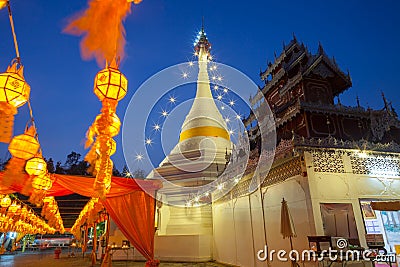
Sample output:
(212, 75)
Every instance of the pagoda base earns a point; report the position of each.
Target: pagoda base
(183, 248)
(184, 234)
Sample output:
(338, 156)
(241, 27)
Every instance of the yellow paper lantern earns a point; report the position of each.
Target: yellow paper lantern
(42, 182)
(14, 90)
(5, 201)
(108, 124)
(24, 146)
(12, 209)
(110, 83)
(36, 166)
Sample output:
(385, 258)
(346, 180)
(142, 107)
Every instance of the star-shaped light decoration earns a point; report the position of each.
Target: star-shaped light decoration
(216, 87)
(227, 119)
(172, 99)
(238, 116)
(164, 113)
(219, 97)
(191, 64)
(149, 141)
(231, 103)
(226, 90)
(185, 75)
(139, 157)
(231, 132)
(156, 127)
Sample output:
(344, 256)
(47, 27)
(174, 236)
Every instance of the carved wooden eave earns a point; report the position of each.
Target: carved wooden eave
(280, 59)
(275, 80)
(338, 109)
(291, 113)
(296, 60)
(279, 172)
(273, 66)
(301, 143)
(343, 79)
(291, 83)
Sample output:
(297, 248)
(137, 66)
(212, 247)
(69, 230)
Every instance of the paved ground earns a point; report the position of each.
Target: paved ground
(44, 259)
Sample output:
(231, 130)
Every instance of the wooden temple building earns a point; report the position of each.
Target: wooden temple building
(337, 166)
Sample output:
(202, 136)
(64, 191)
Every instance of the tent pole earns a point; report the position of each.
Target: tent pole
(94, 248)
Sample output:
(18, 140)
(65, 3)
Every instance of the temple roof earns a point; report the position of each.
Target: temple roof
(296, 58)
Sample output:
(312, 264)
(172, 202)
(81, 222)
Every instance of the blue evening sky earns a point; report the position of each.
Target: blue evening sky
(363, 36)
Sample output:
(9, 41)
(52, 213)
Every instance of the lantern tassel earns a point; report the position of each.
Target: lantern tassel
(14, 172)
(7, 113)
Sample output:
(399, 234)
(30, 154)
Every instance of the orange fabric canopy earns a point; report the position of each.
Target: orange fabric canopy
(128, 203)
(82, 185)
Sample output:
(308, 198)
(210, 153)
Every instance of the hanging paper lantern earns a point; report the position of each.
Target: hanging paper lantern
(24, 146)
(108, 124)
(5, 201)
(12, 209)
(36, 166)
(110, 83)
(110, 86)
(43, 182)
(14, 92)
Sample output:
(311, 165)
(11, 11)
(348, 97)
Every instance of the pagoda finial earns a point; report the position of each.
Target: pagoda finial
(275, 55)
(284, 45)
(201, 40)
(348, 74)
(358, 101)
(294, 37)
(320, 48)
(385, 101)
(334, 60)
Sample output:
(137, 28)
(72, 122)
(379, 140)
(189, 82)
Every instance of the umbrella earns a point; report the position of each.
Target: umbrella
(287, 226)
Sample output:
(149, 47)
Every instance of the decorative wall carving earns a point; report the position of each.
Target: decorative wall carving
(381, 122)
(277, 174)
(328, 161)
(331, 142)
(283, 171)
(375, 165)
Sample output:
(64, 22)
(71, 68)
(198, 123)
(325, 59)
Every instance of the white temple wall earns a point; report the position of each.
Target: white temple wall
(339, 178)
(238, 224)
